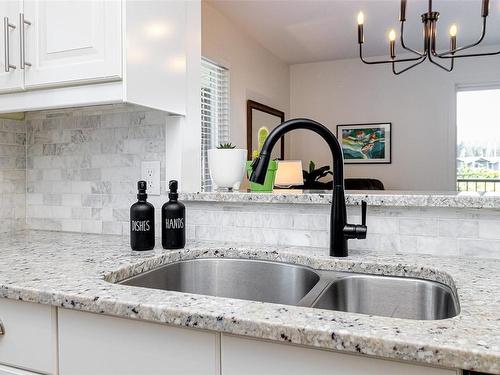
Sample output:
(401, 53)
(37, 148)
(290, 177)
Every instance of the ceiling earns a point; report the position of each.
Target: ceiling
(300, 31)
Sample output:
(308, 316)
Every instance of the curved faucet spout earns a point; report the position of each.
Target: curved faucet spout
(340, 231)
(258, 174)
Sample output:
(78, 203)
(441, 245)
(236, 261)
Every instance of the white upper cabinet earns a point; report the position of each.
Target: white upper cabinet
(72, 41)
(11, 76)
(156, 52)
(73, 53)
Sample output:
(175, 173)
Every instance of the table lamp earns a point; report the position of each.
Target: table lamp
(289, 174)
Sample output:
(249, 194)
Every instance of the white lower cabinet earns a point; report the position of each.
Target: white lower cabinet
(44, 340)
(102, 345)
(241, 356)
(30, 337)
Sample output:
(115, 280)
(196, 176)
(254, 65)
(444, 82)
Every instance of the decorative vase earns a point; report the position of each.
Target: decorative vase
(268, 185)
(227, 167)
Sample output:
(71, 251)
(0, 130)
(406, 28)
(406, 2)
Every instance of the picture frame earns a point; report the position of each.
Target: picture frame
(369, 143)
(258, 115)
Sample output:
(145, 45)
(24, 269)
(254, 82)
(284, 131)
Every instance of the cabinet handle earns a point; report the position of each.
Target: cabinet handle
(23, 22)
(2, 329)
(6, 29)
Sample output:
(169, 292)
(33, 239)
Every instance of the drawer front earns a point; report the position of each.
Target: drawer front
(30, 336)
(241, 356)
(104, 345)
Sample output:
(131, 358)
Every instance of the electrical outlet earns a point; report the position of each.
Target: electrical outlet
(150, 172)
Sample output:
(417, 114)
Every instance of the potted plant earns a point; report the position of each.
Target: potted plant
(313, 176)
(271, 169)
(227, 166)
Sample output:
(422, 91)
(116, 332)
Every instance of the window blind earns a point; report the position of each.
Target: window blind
(214, 113)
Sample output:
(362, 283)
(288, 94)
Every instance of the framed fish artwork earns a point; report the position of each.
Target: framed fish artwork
(366, 143)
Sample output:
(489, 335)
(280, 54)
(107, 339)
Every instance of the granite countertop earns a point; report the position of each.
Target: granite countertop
(77, 271)
(388, 198)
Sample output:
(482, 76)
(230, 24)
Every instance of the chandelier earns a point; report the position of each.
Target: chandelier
(445, 60)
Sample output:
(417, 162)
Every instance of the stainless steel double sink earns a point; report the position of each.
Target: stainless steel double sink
(290, 284)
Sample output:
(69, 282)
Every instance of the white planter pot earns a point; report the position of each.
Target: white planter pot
(227, 167)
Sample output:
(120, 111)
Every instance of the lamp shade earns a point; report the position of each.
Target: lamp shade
(289, 173)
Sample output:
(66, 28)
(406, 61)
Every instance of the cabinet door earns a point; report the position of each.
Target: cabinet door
(253, 357)
(72, 42)
(30, 336)
(98, 344)
(11, 80)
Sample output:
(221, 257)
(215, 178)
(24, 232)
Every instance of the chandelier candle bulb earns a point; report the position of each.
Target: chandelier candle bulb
(361, 20)
(453, 30)
(453, 37)
(392, 43)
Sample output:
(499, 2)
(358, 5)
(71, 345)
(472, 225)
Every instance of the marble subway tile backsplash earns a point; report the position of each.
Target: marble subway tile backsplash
(12, 175)
(425, 230)
(83, 166)
(76, 170)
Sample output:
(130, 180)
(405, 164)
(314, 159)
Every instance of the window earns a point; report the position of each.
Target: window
(214, 113)
(478, 140)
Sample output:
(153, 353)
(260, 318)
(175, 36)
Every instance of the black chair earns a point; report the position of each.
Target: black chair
(363, 184)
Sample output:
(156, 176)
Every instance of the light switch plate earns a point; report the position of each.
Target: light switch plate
(150, 172)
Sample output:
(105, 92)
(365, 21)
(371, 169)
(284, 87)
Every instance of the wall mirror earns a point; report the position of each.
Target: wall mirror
(260, 115)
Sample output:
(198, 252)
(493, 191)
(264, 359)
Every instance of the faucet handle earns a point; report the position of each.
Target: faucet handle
(363, 213)
(357, 231)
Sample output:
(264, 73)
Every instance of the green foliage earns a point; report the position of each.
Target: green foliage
(226, 146)
(481, 173)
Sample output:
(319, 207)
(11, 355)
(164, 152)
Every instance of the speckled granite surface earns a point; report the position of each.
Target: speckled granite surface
(73, 270)
(386, 198)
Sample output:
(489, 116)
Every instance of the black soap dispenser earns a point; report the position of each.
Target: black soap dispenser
(173, 220)
(142, 221)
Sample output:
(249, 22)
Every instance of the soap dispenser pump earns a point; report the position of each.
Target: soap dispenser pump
(173, 220)
(142, 221)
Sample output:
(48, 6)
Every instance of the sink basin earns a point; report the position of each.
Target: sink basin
(289, 284)
(253, 280)
(396, 297)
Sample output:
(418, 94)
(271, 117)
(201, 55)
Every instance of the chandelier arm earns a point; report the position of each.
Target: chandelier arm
(384, 61)
(442, 66)
(405, 46)
(471, 55)
(422, 59)
(450, 52)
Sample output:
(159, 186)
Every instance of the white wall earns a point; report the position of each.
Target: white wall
(255, 73)
(420, 104)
